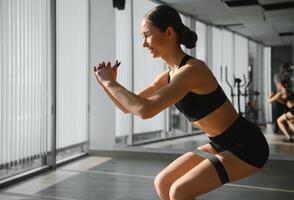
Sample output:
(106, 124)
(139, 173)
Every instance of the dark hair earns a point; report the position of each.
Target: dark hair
(165, 16)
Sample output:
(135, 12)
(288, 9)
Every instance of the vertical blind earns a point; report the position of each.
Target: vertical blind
(72, 17)
(25, 60)
(26, 77)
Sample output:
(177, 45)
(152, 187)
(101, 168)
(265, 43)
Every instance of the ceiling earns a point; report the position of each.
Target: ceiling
(270, 22)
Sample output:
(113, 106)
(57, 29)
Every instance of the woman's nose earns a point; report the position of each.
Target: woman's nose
(144, 43)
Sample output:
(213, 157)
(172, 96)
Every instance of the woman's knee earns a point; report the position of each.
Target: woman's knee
(162, 184)
(280, 120)
(158, 181)
(179, 192)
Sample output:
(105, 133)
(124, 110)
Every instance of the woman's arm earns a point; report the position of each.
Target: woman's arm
(147, 107)
(117, 103)
(275, 97)
(158, 82)
(158, 101)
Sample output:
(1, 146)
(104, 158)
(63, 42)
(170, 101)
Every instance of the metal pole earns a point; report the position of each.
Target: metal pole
(131, 134)
(52, 158)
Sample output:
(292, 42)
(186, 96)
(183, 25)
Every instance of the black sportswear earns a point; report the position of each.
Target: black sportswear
(196, 106)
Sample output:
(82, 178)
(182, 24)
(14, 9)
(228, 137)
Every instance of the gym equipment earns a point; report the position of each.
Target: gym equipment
(251, 110)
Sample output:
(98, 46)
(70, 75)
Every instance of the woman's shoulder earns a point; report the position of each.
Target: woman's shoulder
(199, 67)
(193, 63)
(196, 62)
(199, 75)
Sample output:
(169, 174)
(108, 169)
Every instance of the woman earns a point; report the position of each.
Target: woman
(238, 147)
(286, 97)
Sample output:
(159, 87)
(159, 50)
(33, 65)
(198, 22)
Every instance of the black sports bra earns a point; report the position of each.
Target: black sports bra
(196, 106)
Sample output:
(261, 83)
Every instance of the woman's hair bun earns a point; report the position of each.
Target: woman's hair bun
(188, 37)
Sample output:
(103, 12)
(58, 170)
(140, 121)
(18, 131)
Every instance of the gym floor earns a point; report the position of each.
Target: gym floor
(129, 176)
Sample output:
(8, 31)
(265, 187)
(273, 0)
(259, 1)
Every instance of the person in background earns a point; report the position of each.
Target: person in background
(286, 97)
(278, 107)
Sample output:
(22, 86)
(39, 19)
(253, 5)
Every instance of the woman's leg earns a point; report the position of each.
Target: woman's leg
(174, 171)
(282, 120)
(290, 120)
(178, 168)
(204, 177)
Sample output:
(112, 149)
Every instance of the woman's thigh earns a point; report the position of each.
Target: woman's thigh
(289, 116)
(187, 161)
(283, 118)
(204, 177)
(179, 167)
(231, 162)
(235, 167)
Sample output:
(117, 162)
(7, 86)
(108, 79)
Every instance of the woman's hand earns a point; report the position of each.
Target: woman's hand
(115, 67)
(105, 72)
(269, 98)
(271, 95)
(276, 97)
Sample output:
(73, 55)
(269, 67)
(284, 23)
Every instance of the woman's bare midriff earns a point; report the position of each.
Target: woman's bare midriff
(218, 121)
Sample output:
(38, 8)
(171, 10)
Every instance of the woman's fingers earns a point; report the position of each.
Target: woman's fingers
(103, 64)
(116, 65)
(104, 71)
(96, 74)
(100, 66)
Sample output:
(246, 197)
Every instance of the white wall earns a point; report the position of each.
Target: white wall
(145, 68)
(216, 52)
(124, 53)
(102, 48)
(201, 45)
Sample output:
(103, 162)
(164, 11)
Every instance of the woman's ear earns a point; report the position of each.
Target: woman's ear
(170, 32)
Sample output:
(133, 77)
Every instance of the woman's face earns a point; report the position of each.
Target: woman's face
(153, 39)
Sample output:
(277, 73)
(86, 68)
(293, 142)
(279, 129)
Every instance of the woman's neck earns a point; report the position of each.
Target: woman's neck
(174, 58)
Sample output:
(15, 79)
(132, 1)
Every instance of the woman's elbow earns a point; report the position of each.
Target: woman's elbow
(146, 113)
(125, 111)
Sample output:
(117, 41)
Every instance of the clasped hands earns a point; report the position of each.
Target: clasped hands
(106, 72)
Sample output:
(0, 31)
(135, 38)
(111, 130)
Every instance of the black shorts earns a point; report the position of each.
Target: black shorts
(245, 140)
